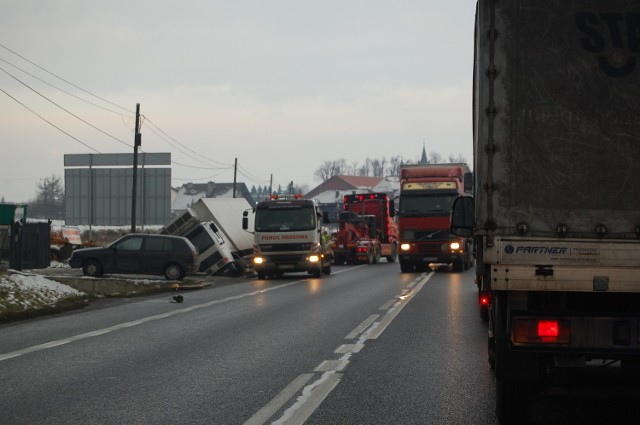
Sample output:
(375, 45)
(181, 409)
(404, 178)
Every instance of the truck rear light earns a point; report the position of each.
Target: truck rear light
(484, 299)
(541, 331)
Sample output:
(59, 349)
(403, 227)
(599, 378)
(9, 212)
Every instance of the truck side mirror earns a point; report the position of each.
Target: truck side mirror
(245, 220)
(468, 182)
(325, 217)
(392, 208)
(462, 217)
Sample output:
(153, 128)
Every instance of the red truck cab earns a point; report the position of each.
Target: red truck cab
(427, 192)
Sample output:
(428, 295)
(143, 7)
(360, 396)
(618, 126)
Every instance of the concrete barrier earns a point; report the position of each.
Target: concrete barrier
(115, 286)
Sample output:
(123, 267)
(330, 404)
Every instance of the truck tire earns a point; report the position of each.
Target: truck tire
(317, 273)
(458, 265)
(394, 254)
(513, 402)
(327, 269)
(513, 394)
(376, 254)
(370, 255)
(406, 267)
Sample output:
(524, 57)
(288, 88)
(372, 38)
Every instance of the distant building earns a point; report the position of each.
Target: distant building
(189, 193)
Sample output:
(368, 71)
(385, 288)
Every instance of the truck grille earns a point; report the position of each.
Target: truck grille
(288, 259)
(284, 247)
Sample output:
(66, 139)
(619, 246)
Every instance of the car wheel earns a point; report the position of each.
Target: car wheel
(174, 272)
(92, 268)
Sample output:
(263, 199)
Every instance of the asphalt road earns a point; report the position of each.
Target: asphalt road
(366, 345)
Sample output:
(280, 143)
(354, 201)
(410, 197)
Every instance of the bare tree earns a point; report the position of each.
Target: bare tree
(435, 158)
(49, 202)
(330, 169)
(365, 168)
(393, 170)
(457, 159)
(378, 166)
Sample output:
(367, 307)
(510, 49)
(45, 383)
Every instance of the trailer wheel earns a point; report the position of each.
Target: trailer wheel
(370, 255)
(261, 276)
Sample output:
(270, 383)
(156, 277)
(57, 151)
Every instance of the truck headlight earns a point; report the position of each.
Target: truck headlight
(314, 258)
(455, 245)
(405, 247)
(258, 260)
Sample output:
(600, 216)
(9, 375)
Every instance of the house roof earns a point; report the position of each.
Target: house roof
(345, 183)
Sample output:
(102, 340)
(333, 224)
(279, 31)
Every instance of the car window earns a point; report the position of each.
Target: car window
(130, 244)
(155, 244)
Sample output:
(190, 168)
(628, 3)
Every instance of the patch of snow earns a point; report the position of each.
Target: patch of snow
(25, 291)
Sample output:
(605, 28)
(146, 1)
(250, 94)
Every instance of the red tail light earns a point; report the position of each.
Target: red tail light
(548, 329)
(541, 331)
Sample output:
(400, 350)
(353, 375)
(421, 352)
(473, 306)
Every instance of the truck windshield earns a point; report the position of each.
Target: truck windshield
(426, 205)
(285, 219)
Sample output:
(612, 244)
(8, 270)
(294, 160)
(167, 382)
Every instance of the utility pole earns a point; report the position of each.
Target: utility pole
(271, 186)
(235, 173)
(136, 144)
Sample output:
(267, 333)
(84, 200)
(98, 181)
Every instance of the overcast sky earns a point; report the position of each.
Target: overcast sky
(281, 85)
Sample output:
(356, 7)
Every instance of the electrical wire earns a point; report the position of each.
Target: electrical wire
(145, 119)
(49, 122)
(61, 89)
(64, 109)
(62, 79)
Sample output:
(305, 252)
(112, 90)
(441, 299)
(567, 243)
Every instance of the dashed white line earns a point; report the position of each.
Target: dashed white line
(314, 393)
(362, 326)
(262, 415)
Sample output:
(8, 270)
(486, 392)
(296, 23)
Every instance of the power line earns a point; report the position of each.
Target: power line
(62, 79)
(49, 122)
(62, 90)
(198, 158)
(66, 110)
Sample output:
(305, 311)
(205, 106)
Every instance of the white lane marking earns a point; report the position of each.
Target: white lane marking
(348, 269)
(349, 348)
(388, 304)
(125, 325)
(310, 399)
(270, 409)
(315, 393)
(362, 326)
(376, 331)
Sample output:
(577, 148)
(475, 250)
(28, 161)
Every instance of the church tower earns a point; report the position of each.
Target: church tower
(424, 159)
